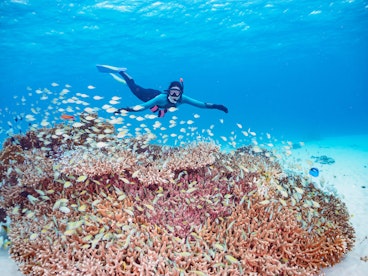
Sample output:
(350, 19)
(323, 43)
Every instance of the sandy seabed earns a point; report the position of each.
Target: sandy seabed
(348, 174)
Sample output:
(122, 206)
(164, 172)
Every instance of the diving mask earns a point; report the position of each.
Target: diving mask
(174, 94)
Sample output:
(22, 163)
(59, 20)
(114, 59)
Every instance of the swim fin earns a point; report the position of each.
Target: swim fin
(117, 78)
(109, 69)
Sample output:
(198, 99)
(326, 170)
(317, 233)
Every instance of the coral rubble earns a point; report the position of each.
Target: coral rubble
(96, 205)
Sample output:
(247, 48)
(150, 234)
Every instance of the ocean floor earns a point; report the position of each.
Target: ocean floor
(347, 175)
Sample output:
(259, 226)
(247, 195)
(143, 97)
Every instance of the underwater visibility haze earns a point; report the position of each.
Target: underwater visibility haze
(292, 68)
(84, 190)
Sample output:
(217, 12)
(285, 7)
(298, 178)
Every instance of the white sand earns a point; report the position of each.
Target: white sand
(348, 174)
(7, 265)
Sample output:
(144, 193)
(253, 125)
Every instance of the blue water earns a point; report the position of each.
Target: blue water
(295, 69)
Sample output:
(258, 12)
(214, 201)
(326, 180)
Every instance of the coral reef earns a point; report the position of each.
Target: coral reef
(82, 202)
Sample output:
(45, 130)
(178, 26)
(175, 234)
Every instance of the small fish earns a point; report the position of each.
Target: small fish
(64, 209)
(44, 123)
(15, 210)
(111, 110)
(299, 217)
(284, 193)
(121, 197)
(219, 264)
(82, 208)
(149, 207)
(32, 199)
(298, 190)
(219, 246)
(30, 118)
(56, 205)
(245, 133)
(230, 225)
(231, 259)
(184, 254)
(252, 132)
(33, 236)
(197, 272)
(95, 202)
(283, 202)
(316, 204)
(78, 124)
(30, 214)
(89, 118)
(242, 199)
(314, 172)
(81, 178)
(67, 184)
(139, 208)
(101, 144)
(67, 117)
(293, 201)
(113, 102)
(135, 174)
(191, 190)
(69, 232)
(223, 138)
(129, 212)
(87, 238)
(257, 149)
(40, 192)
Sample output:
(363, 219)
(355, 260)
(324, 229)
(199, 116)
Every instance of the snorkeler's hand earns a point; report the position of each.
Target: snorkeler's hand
(217, 106)
(221, 107)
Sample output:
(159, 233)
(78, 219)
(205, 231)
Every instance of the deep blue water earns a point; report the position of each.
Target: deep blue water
(295, 69)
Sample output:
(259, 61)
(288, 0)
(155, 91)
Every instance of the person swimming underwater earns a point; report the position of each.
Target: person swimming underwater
(156, 100)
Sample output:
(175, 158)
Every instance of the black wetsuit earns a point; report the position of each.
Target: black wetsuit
(158, 101)
(144, 94)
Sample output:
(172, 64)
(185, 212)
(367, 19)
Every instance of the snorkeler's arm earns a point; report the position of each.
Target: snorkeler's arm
(194, 102)
(158, 100)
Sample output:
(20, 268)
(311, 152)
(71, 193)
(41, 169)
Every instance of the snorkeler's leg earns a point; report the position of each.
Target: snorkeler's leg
(126, 77)
(141, 93)
(130, 82)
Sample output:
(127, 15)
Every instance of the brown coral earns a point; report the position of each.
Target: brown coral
(129, 208)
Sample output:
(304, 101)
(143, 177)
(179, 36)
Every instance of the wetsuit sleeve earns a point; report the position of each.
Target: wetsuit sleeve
(200, 104)
(191, 101)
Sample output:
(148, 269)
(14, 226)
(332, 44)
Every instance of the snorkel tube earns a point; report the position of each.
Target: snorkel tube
(182, 84)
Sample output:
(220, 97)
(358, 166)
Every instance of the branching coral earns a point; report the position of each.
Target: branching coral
(125, 207)
(82, 161)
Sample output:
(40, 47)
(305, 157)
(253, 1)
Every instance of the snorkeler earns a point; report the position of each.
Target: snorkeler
(156, 100)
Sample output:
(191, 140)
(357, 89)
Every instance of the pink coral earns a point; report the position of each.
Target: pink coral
(137, 209)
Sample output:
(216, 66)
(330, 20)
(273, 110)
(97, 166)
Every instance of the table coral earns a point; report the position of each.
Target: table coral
(127, 207)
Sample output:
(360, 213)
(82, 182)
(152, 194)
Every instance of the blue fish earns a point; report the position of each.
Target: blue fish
(314, 172)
